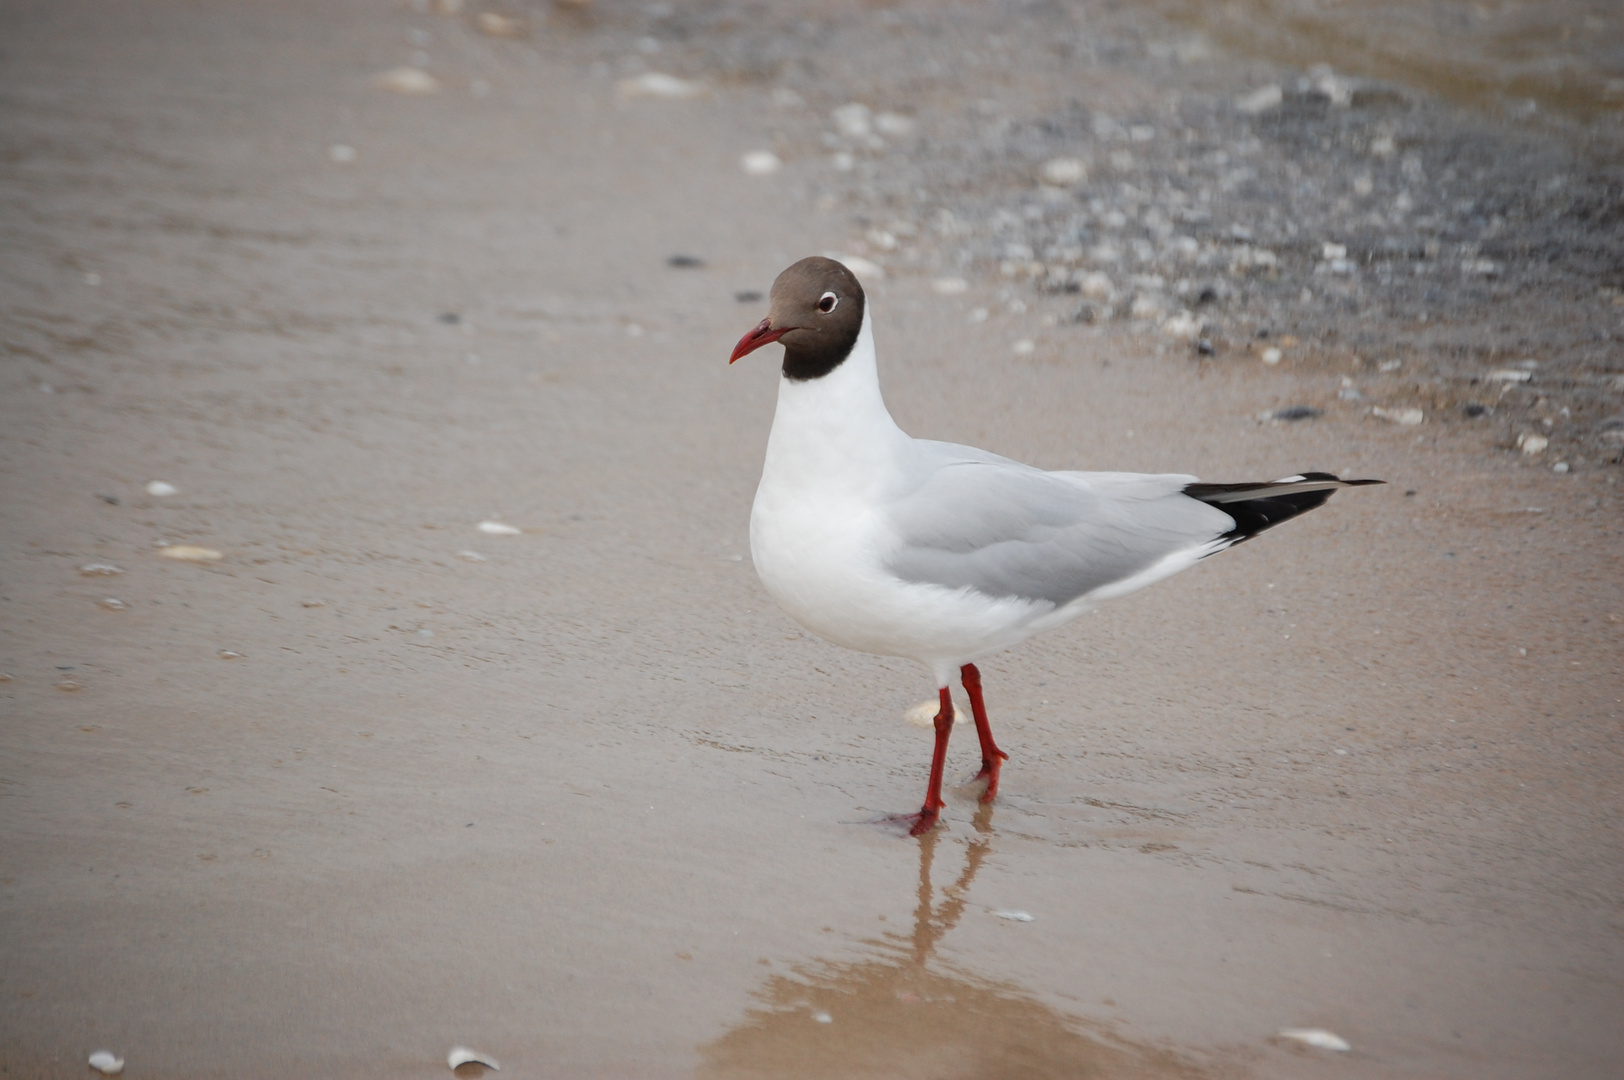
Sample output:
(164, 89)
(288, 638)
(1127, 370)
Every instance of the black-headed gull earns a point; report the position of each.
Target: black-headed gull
(946, 554)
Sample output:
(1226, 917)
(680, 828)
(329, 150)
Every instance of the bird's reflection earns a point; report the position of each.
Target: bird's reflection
(903, 1013)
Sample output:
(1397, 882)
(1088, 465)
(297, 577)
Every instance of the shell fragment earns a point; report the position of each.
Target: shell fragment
(1318, 1038)
(190, 553)
(499, 528)
(461, 1055)
(107, 1063)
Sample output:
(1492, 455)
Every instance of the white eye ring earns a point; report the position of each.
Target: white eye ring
(827, 302)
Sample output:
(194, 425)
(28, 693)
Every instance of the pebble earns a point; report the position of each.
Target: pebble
(1331, 251)
(1271, 356)
(1531, 444)
(685, 262)
(411, 81)
(747, 296)
(1064, 171)
(341, 153)
(923, 715)
(1405, 417)
(1096, 286)
(1260, 100)
(161, 488)
(1316, 1037)
(1024, 347)
(1016, 916)
(1509, 375)
(1183, 325)
(503, 26)
(657, 84)
(499, 528)
(1296, 412)
(853, 120)
(99, 569)
(950, 286)
(822, 1018)
(461, 1055)
(1559, 468)
(863, 268)
(107, 1063)
(761, 163)
(189, 553)
(894, 124)
(111, 604)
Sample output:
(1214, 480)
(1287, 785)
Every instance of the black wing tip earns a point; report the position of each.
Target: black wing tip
(1263, 510)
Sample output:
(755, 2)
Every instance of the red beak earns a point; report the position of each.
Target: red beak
(763, 334)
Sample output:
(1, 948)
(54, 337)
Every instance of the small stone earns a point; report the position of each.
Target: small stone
(760, 163)
(493, 24)
(748, 296)
(656, 84)
(1296, 412)
(1183, 325)
(853, 120)
(1204, 347)
(161, 488)
(1096, 286)
(411, 81)
(923, 715)
(821, 1017)
(1331, 251)
(1064, 171)
(112, 604)
(1024, 347)
(1510, 375)
(1560, 467)
(1260, 100)
(864, 268)
(894, 124)
(1472, 410)
(685, 262)
(341, 153)
(499, 528)
(1016, 916)
(1318, 1038)
(1531, 444)
(949, 286)
(1405, 417)
(99, 569)
(189, 553)
(1271, 356)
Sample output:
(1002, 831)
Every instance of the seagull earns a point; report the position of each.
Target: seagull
(946, 554)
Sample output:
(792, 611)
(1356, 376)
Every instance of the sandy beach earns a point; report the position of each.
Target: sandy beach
(468, 722)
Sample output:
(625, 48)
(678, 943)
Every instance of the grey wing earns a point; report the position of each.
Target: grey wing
(1008, 530)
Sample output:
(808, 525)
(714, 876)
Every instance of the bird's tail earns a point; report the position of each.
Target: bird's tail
(1258, 506)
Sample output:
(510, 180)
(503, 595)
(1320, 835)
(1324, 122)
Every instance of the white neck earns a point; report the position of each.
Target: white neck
(833, 429)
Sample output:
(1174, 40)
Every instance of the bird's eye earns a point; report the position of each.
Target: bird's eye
(827, 302)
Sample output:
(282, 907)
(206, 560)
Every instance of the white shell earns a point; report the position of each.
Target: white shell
(923, 715)
(160, 488)
(189, 553)
(499, 528)
(1016, 916)
(104, 1061)
(760, 163)
(1316, 1037)
(471, 556)
(461, 1055)
(407, 80)
(657, 84)
(1405, 417)
(99, 569)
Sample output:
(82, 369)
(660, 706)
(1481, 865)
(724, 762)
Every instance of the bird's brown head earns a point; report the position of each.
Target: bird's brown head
(816, 312)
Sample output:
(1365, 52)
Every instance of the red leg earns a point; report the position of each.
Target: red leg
(992, 758)
(938, 761)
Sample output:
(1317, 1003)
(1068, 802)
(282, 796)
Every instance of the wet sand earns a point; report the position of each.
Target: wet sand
(376, 783)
